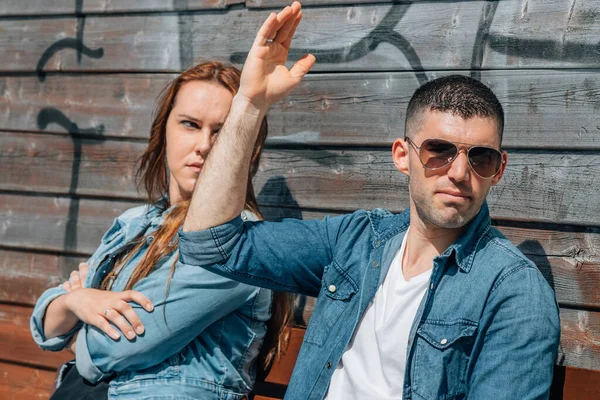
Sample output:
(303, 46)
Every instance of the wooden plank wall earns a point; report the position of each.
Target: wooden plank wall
(79, 78)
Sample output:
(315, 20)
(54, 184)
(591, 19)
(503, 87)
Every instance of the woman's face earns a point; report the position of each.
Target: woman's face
(197, 116)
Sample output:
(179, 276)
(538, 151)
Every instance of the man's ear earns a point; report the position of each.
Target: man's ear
(496, 178)
(400, 150)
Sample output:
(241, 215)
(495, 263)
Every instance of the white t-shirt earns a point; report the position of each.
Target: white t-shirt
(372, 366)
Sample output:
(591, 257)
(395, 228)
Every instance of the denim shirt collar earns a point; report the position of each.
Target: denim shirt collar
(389, 225)
(151, 218)
(465, 247)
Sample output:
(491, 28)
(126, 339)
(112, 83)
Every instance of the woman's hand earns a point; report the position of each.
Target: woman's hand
(100, 308)
(77, 278)
(265, 78)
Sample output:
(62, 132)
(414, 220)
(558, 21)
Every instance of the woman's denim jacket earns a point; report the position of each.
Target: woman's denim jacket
(487, 328)
(200, 342)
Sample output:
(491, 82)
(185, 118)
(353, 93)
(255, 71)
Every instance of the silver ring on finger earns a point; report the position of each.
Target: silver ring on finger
(267, 41)
(106, 311)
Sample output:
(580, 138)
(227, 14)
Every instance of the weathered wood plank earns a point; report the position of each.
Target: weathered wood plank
(564, 257)
(424, 35)
(370, 37)
(108, 105)
(283, 3)
(581, 384)
(580, 339)
(56, 223)
(544, 109)
(61, 7)
(26, 275)
(570, 260)
(545, 187)
(63, 164)
(557, 187)
(549, 33)
(24, 383)
(17, 343)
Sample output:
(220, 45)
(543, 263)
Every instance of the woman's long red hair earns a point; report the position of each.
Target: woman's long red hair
(153, 174)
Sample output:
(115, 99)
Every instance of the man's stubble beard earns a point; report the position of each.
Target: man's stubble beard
(429, 214)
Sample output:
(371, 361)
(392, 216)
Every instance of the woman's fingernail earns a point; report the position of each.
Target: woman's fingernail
(150, 306)
(130, 334)
(116, 335)
(139, 330)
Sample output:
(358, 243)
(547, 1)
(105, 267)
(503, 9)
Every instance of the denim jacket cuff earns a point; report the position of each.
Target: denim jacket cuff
(209, 246)
(37, 322)
(83, 359)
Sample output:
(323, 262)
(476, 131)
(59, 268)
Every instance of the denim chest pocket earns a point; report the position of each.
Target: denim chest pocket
(337, 288)
(441, 357)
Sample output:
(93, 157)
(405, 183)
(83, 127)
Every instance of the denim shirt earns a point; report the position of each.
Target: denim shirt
(487, 328)
(200, 341)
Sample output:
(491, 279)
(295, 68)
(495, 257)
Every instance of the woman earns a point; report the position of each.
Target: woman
(133, 314)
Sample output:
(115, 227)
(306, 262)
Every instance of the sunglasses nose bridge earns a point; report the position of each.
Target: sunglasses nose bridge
(453, 161)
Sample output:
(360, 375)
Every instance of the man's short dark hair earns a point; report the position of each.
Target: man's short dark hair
(456, 94)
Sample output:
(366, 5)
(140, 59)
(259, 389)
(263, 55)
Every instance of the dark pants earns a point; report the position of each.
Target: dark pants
(72, 386)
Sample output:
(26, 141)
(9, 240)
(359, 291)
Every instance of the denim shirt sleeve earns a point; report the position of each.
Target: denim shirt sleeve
(196, 298)
(287, 256)
(36, 322)
(522, 333)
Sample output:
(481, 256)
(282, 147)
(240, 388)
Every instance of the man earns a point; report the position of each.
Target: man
(432, 303)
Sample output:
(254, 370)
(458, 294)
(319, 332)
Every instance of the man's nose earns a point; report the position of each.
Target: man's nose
(459, 168)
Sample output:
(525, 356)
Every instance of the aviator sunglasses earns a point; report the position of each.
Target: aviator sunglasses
(437, 153)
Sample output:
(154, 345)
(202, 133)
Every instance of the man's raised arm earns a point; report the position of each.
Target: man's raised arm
(220, 191)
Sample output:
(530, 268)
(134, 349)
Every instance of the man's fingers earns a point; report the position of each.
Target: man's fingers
(67, 286)
(137, 297)
(302, 66)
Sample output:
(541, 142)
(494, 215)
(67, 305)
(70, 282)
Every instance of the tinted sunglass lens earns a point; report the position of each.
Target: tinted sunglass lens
(485, 161)
(436, 153)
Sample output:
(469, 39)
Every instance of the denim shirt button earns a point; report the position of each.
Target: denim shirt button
(377, 243)
(328, 365)
(375, 264)
(332, 288)
(432, 286)
(444, 341)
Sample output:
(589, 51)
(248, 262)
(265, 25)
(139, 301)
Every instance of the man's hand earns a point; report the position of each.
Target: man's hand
(220, 191)
(265, 78)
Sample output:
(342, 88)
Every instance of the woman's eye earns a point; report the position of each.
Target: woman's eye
(189, 124)
(216, 131)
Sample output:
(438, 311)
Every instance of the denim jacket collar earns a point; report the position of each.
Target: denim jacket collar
(387, 225)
